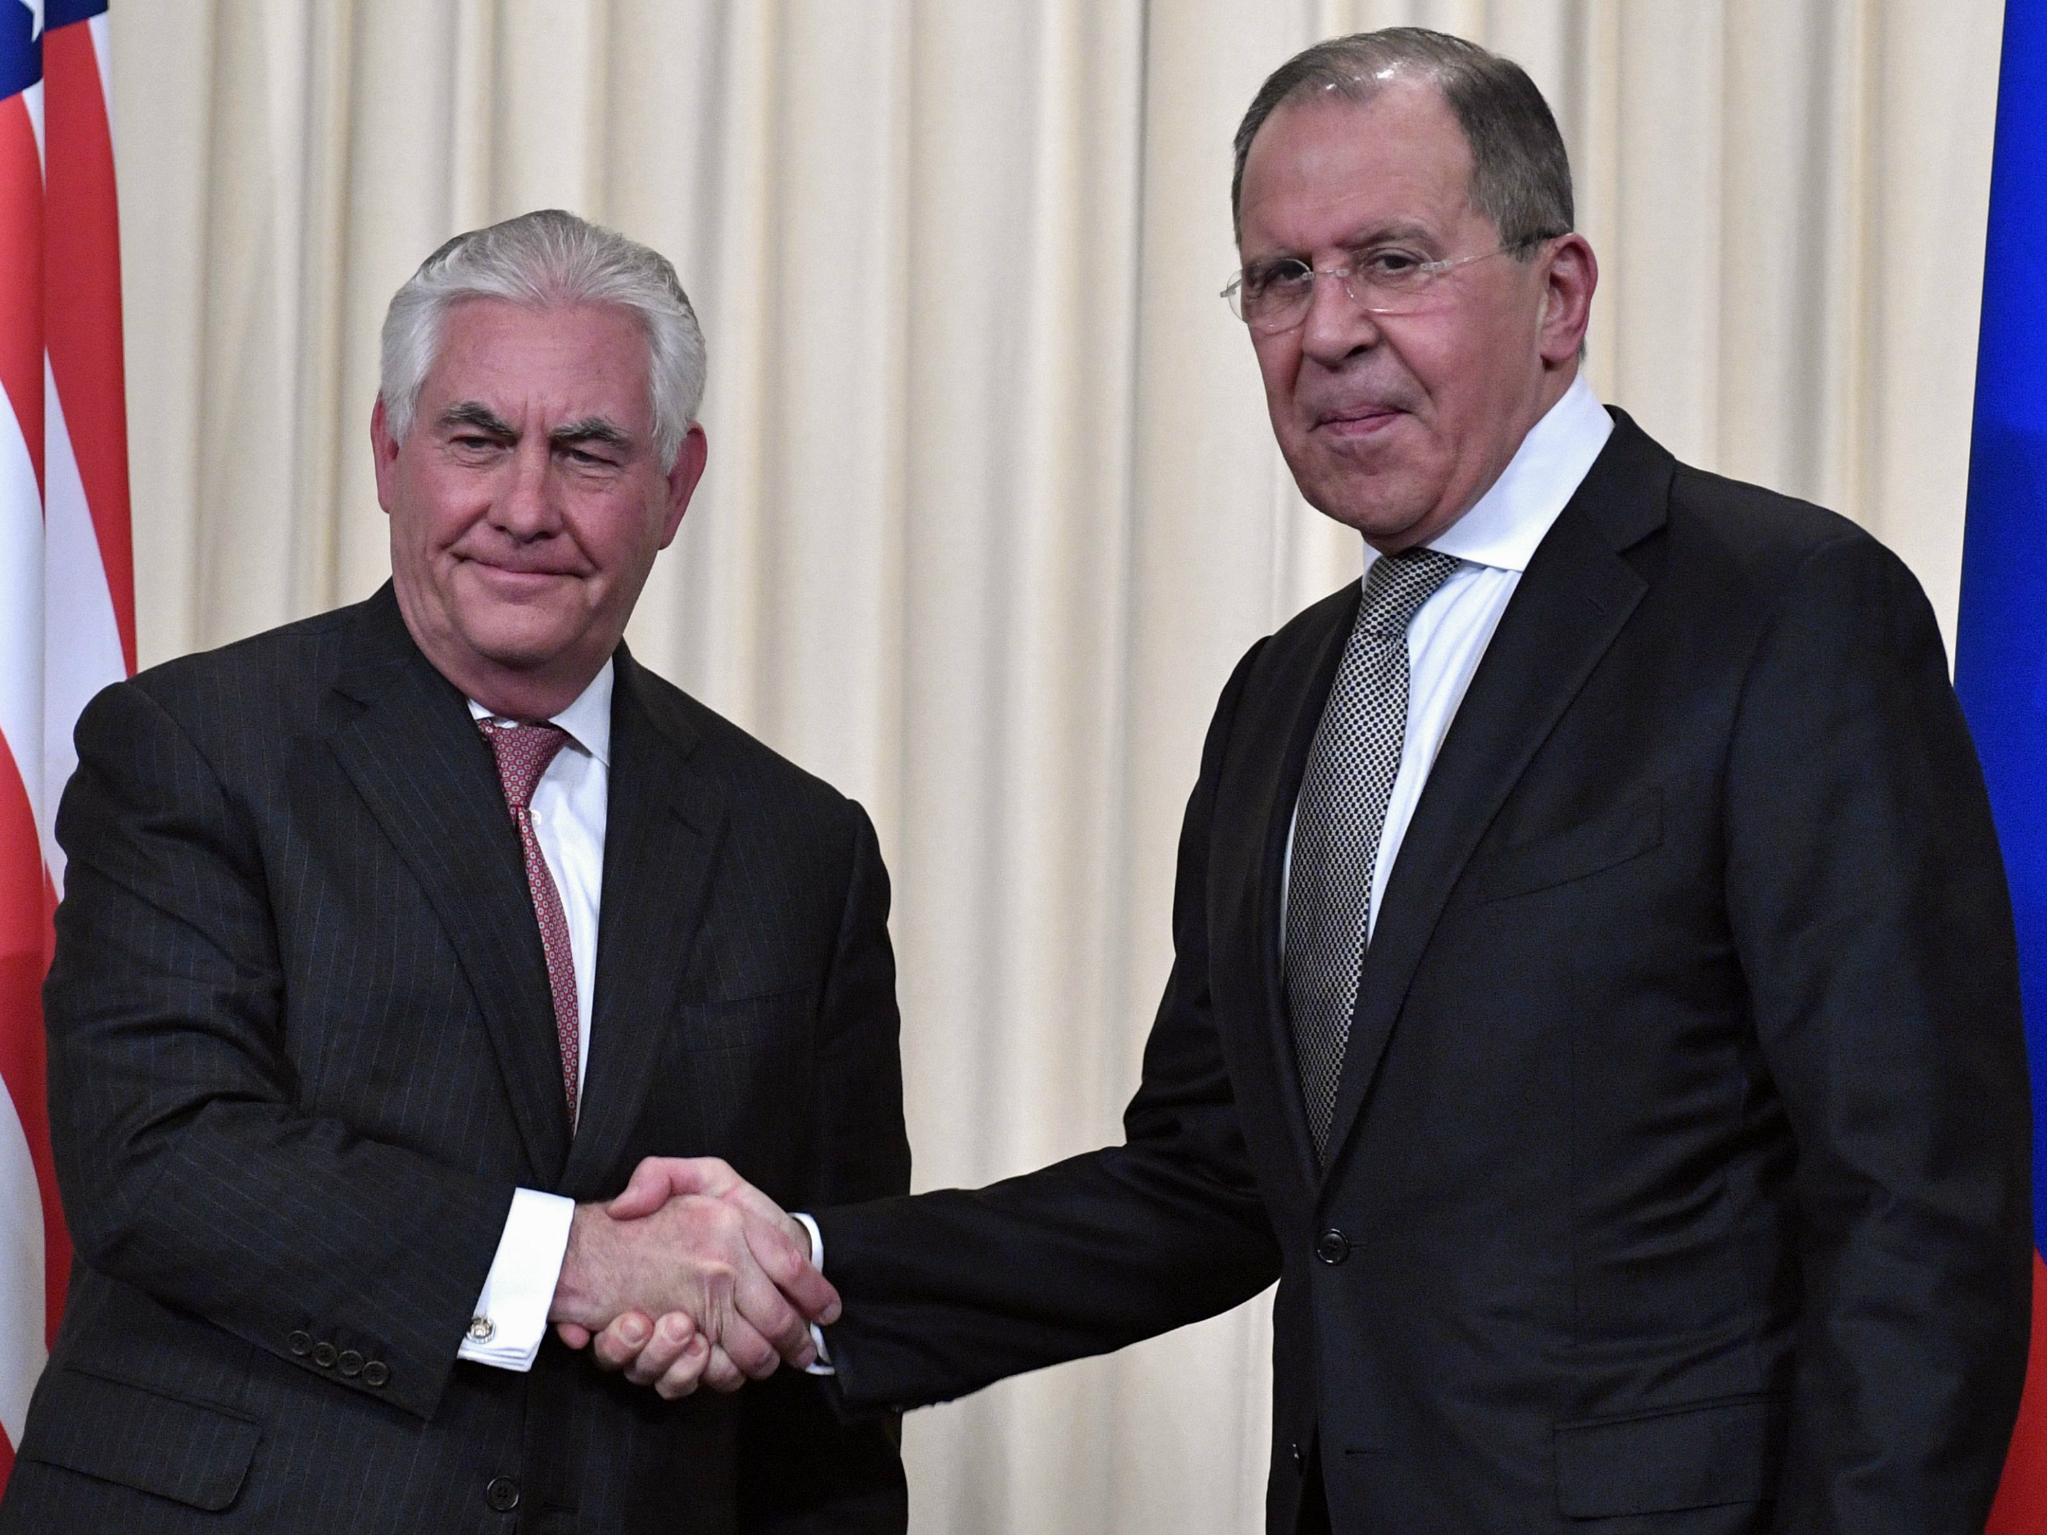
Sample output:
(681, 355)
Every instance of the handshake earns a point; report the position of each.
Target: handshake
(691, 1275)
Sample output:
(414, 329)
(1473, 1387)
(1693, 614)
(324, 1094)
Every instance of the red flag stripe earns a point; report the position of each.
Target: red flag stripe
(2024, 1489)
(21, 258)
(26, 901)
(83, 313)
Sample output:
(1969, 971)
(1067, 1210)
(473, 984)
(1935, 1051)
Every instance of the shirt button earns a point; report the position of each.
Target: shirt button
(502, 1494)
(375, 1373)
(350, 1362)
(324, 1355)
(299, 1341)
(1333, 1247)
(482, 1330)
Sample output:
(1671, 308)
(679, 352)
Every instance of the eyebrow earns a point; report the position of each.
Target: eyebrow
(592, 429)
(474, 413)
(1364, 235)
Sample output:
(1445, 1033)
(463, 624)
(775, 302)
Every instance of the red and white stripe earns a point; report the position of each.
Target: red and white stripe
(67, 605)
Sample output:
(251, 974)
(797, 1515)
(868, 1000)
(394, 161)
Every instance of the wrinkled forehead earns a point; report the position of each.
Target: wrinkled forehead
(564, 359)
(1327, 166)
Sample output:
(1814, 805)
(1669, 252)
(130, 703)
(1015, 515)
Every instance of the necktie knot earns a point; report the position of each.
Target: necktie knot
(1398, 585)
(523, 753)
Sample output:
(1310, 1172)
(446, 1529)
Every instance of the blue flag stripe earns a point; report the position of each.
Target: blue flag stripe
(2000, 643)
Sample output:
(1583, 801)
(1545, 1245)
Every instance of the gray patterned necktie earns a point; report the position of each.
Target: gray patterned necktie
(1343, 806)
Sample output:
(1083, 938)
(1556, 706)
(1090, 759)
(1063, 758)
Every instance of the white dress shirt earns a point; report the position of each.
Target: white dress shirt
(1449, 633)
(568, 811)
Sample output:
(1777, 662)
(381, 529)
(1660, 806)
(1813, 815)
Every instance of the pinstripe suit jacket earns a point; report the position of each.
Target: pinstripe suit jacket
(301, 1053)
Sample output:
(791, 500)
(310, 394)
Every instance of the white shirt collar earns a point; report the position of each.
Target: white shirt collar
(588, 719)
(1504, 526)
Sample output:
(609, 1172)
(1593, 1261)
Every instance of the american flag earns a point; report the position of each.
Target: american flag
(67, 587)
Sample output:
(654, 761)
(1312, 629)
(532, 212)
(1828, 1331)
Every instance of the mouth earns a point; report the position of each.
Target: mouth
(1356, 421)
(516, 578)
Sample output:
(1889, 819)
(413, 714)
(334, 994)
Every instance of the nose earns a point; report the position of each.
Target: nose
(1336, 324)
(526, 506)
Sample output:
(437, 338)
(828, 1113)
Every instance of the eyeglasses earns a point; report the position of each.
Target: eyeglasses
(1274, 296)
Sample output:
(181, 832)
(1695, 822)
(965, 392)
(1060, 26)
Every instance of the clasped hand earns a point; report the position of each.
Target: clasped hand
(690, 1275)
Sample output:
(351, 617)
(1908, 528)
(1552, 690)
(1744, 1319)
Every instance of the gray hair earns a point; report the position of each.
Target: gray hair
(547, 258)
(1521, 176)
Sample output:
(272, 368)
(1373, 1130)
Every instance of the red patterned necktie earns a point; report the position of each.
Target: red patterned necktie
(523, 753)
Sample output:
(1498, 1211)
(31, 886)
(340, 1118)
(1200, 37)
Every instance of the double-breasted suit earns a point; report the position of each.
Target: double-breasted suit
(302, 1052)
(1679, 1170)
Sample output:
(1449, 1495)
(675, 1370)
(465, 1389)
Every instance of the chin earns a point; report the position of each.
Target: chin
(1377, 518)
(517, 647)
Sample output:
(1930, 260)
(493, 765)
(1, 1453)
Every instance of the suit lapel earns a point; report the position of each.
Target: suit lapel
(415, 758)
(664, 818)
(1283, 703)
(1572, 601)
(1319, 672)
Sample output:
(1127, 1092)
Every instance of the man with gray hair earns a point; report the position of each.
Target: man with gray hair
(395, 938)
(1594, 996)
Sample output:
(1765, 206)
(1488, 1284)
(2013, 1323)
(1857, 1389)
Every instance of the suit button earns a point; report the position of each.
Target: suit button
(324, 1355)
(299, 1341)
(1294, 1453)
(1333, 1247)
(351, 1362)
(502, 1495)
(375, 1373)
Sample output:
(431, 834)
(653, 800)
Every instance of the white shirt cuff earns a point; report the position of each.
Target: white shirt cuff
(511, 1315)
(822, 1366)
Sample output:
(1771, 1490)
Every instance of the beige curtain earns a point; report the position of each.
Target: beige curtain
(992, 505)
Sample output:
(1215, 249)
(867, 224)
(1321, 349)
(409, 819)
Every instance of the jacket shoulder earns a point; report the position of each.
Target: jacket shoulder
(750, 767)
(272, 677)
(1756, 549)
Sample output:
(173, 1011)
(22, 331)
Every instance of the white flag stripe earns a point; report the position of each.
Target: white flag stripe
(22, 1351)
(21, 601)
(79, 611)
(102, 55)
(32, 98)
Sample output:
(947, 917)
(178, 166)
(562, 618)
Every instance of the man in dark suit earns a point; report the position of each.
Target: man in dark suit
(1594, 994)
(392, 934)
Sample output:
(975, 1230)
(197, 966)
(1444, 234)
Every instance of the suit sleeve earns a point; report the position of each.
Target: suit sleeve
(803, 1466)
(187, 1168)
(1871, 917)
(949, 1291)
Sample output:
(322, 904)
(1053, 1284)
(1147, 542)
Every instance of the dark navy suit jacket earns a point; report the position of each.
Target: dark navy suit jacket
(1679, 1171)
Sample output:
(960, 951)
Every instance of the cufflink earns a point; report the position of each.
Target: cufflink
(482, 1330)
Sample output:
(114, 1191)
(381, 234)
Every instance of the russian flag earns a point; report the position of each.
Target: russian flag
(2000, 644)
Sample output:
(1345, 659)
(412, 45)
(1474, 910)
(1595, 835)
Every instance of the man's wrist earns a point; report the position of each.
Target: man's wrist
(576, 1288)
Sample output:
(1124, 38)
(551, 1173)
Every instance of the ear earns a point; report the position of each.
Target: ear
(683, 476)
(383, 455)
(1570, 276)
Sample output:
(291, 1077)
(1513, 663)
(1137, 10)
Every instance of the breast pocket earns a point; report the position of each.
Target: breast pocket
(1623, 832)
